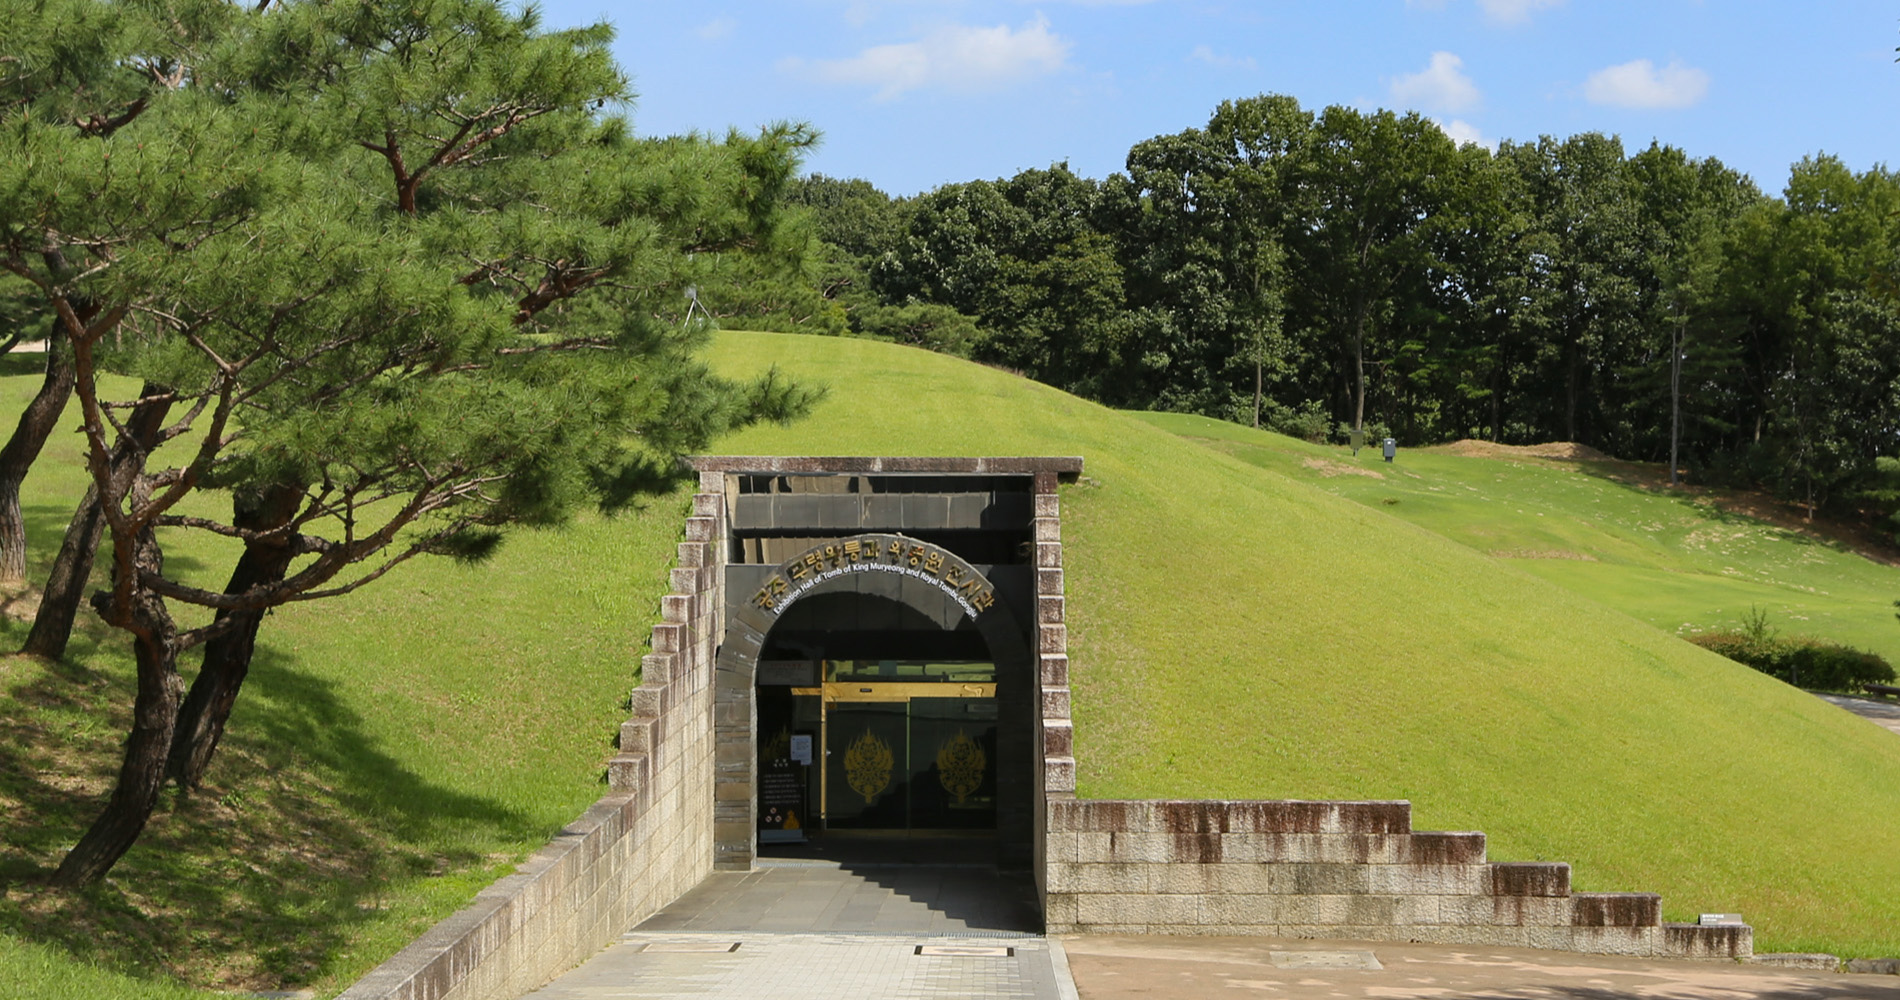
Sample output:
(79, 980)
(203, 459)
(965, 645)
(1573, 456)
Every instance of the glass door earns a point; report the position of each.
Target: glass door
(909, 754)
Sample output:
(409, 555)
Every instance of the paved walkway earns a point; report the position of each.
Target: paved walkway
(1125, 968)
(828, 930)
(1879, 711)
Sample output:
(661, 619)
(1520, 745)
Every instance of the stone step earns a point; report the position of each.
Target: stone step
(1616, 909)
(1530, 878)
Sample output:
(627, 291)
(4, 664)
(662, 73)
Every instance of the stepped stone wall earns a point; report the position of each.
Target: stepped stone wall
(1353, 870)
(635, 850)
(1333, 870)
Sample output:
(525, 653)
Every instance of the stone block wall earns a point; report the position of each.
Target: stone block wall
(633, 852)
(1351, 870)
(1054, 738)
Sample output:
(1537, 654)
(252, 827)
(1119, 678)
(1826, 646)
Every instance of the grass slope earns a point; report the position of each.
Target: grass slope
(393, 752)
(1677, 561)
(1235, 633)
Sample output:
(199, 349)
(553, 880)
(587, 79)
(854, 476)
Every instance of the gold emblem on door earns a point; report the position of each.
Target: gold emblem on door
(867, 766)
(960, 764)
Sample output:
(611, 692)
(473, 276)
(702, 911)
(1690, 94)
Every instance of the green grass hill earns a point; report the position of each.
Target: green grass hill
(1684, 562)
(1235, 632)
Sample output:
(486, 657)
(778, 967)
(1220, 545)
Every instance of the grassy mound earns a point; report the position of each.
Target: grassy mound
(1235, 633)
(1683, 562)
(1238, 634)
(393, 752)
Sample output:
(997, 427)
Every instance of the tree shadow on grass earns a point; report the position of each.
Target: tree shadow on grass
(306, 832)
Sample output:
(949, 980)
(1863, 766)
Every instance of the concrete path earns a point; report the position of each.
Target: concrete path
(1879, 711)
(1124, 968)
(826, 930)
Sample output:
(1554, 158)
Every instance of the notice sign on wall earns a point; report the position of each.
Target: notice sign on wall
(782, 813)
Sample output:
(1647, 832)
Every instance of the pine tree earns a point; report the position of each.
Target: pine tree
(391, 273)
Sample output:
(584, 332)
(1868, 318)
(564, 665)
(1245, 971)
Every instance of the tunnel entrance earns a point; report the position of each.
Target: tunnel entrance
(877, 686)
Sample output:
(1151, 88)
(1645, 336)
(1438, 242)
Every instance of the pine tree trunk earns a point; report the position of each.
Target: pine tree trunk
(142, 774)
(16, 458)
(66, 583)
(72, 567)
(227, 658)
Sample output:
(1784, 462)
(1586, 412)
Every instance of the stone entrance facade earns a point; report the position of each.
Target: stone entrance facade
(849, 576)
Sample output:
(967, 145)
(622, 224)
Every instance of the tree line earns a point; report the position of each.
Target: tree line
(1317, 273)
(331, 287)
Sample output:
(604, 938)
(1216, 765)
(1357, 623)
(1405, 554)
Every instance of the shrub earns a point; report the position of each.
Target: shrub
(1767, 655)
(1802, 661)
(1835, 667)
(1308, 423)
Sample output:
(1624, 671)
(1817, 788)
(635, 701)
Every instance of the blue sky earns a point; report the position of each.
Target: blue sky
(910, 94)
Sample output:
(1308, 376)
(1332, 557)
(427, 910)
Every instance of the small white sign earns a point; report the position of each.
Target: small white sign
(801, 748)
(1720, 919)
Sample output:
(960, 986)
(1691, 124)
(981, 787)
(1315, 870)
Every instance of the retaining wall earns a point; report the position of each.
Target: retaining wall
(1353, 870)
(637, 849)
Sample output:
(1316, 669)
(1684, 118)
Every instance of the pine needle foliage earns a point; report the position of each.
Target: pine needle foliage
(390, 273)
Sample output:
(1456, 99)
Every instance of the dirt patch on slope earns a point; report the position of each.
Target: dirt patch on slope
(1543, 554)
(1328, 469)
(1561, 450)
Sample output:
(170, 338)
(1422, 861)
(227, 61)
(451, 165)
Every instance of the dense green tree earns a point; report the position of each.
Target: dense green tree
(1202, 219)
(1361, 268)
(1371, 193)
(1806, 283)
(1024, 259)
(85, 69)
(398, 281)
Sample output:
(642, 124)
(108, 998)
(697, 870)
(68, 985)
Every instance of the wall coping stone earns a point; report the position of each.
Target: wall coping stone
(1066, 466)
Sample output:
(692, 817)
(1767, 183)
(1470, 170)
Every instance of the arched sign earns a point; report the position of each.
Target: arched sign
(896, 554)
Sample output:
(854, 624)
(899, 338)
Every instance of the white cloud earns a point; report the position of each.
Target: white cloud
(953, 57)
(1639, 84)
(1462, 132)
(718, 27)
(1220, 60)
(1441, 86)
(1515, 11)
